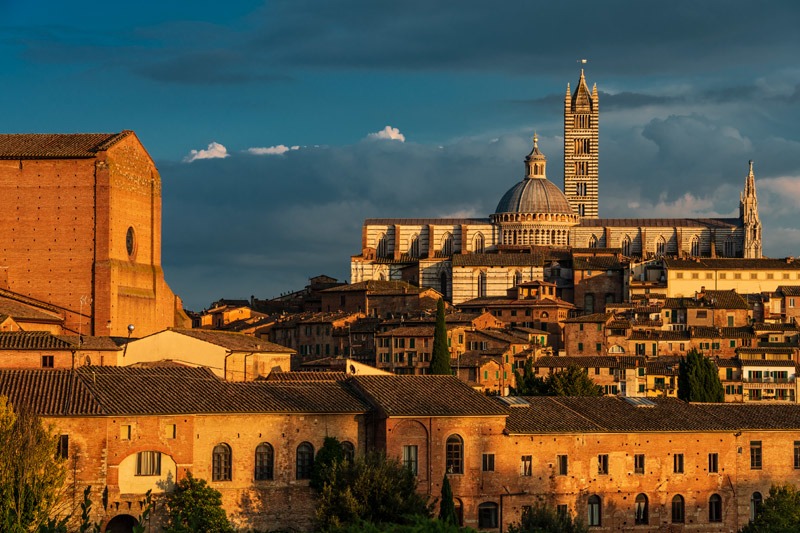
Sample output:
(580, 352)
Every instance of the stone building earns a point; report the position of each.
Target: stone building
(642, 464)
(81, 230)
(465, 258)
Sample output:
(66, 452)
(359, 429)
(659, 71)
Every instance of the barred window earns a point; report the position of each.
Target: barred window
(454, 455)
(305, 460)
(265, 460)
(221, 463)
(148, 463)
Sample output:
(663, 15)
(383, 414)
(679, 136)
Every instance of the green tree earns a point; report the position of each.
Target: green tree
(572, 381)
(447, 507)
(698, 379)
(194, 506)
(440, 358)
(330, 453)
(543, 519)
(371, 488)
(32, 474)
(779, 513)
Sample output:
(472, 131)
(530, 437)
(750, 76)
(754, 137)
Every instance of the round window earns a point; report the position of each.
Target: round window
(130, 241)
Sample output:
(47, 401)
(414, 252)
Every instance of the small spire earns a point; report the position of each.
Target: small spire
(536, 145)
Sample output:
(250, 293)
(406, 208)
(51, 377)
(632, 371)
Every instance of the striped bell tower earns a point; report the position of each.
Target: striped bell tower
(581, 127)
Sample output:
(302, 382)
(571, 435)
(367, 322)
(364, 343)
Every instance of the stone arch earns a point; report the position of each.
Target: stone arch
(413, 247)
(478, 243)
(447, 244)
(383, 246)
(626, 245)
(593, 241)
(414, 434)
(122, 523)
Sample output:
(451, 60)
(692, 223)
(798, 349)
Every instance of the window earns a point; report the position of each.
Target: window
(594, 517)
(678, 509)
(221, 463)
(580, 346)
(148, 464)
(641, 509)
(304, 461)
(410, 458)
(125, 432)
(62, 450)
(602, 464)
(677, 463)
(715, 508)
(756, 501)
(638, 463)
(265, 459)
(488, 462)
(487, 515)
(454, 460)
(171, 431)
(755, 455)
(797, 454)
(526, 465)
(713, 463)
(47, 361)
(562, 465)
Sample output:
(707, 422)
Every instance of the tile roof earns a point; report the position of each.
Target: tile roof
(509, 259)
(425, 396)
(306, 376)
(593, 318)
(49, 392)
(596, 263)
(761, 326)
(707, 332)
(706, 263)
(589, 361)
(233, 341)
(89, 342)
(421, 221)
(21, 307)
(56, 145)
(711, 300)
(32, 340)
(374, 286)
(789, 290)
(660, 222)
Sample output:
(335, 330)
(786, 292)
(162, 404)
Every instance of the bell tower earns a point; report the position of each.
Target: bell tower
(751, 223)
(581, 127)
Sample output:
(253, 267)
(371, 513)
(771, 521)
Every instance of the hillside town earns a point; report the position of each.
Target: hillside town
(142, 393)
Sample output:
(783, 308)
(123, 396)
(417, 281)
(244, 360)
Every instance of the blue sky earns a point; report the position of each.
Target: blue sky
(279, 126)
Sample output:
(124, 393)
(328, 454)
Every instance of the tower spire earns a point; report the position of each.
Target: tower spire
(536, 162)
(748, 213)
(581, 120)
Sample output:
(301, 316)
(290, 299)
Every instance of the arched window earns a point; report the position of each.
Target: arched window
(481, 284)
(626, 246)
(715, 508)
(661, 246)
(478, 244)
(730, 247)
(349, 451)
(595, 517)
(487, 515)
(695, 246)
(641, 509)
(517, 278)
(616, 349)
(454, 456)
(756, 501)
(447, 244)
(265, 459)
(221, 463)
(678, 509)
(593, 242)
(305, 460)
(413, 249)
(382, 246)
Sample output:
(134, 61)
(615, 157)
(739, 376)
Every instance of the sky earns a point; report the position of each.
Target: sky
(279, 126)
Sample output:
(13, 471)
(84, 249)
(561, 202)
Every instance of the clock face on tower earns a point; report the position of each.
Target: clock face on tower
(130, 241)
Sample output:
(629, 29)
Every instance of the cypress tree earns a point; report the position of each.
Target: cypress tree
(440, 359)
(447, 509)
(698, 379)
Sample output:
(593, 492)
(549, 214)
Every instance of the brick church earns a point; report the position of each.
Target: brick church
(80, 231)
(474, 257)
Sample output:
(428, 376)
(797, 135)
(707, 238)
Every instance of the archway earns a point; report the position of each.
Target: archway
(123, 523)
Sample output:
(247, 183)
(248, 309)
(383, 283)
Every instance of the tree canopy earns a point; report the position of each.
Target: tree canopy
(698, 379)
(330, 453)
(543, 519)
(32, 473)
(194, 506)
(371, 488)
(440, 358)
(779, 513)
(572, 381)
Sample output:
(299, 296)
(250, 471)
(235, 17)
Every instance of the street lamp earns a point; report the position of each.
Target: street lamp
(131, 327)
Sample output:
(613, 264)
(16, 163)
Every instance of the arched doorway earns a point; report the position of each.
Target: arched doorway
(123, 523)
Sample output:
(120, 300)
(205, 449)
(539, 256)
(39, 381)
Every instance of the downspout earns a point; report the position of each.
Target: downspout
(430, 443)
(225, 365)
(245, 364)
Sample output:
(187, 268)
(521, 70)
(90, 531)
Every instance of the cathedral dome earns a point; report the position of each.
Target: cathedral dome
(533, 195)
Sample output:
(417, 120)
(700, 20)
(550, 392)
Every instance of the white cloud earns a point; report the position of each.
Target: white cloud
(272, 150)
(214, 151)
(389, 133)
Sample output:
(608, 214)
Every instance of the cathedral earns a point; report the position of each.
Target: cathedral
(535, 222)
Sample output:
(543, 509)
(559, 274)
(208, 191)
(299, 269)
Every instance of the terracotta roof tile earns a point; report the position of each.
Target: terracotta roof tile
(304, 376)
(57, 145)
(425, 396)
(234, 341)
(32, 340)
(510, 259)
(49, 392)
(660, 222)
(731, 264)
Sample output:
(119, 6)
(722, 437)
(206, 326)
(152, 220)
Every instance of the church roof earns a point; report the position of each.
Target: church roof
(56, 145)
(521, 259)
(660, 222)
